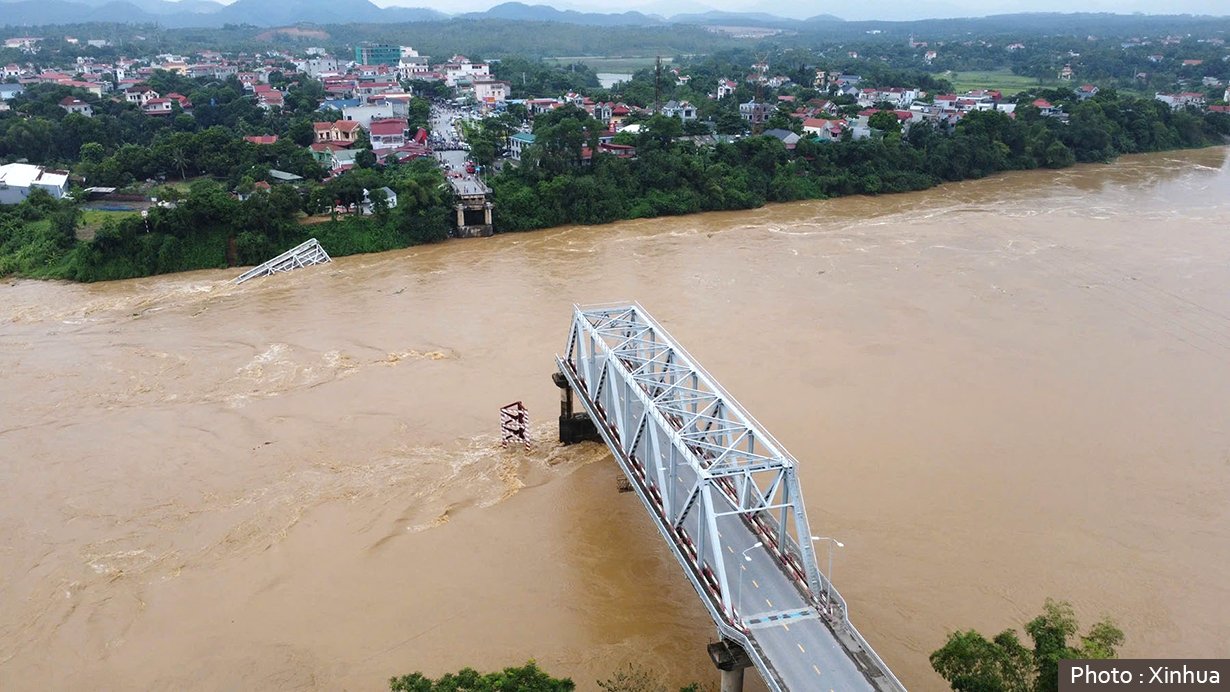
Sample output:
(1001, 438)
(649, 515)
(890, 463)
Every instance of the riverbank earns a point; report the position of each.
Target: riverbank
(668, 178)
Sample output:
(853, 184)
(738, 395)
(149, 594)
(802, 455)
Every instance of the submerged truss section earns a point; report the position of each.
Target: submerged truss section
(302, 255)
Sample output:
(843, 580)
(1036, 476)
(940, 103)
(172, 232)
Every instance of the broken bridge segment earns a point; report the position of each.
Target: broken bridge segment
(303, 255)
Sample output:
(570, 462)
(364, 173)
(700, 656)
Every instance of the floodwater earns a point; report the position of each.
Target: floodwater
(998, 391)
(609, 79)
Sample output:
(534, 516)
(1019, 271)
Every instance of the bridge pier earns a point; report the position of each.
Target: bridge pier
(731, 660)
(573, 427)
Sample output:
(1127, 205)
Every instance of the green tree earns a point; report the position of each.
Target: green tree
(885, 121)
(971, 663)
(527, 678)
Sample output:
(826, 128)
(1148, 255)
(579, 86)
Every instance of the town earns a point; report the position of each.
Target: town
(422, 148)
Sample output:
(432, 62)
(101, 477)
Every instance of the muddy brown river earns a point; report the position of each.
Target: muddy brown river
(998, 391)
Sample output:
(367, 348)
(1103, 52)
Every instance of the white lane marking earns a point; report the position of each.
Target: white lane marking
(755, 584)
(815, 669)
(801, 648)
(732, 550)
(769, 602)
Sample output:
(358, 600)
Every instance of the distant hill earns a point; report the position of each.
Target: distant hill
(519, 11)
(718, 17)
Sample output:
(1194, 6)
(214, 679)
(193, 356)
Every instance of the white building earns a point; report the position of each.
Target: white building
(490, 91)
(316, 66)
(461, 69)
(364, 115)
(17, 180)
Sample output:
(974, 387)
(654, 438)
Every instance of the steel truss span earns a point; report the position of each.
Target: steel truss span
(724, 494)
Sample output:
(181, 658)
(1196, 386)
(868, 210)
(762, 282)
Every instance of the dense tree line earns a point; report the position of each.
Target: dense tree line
(555, 185)
(209, 227)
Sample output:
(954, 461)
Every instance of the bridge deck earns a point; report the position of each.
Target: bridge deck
(695, 467)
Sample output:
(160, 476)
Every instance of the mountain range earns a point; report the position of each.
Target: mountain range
(206, 13)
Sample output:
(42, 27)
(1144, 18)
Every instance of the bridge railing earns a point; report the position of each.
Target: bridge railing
(659, 411)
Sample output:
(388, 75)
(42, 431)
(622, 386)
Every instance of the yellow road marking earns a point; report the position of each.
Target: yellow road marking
(786, 626)
(728, 547)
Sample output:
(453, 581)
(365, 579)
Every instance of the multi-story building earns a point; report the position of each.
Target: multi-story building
(377, 54)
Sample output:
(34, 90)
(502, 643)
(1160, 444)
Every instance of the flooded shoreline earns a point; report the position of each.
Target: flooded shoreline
(998, 390)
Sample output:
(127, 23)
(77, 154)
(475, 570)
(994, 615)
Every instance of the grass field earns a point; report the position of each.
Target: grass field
(92, 220)
(610, 64)
(1001, 80)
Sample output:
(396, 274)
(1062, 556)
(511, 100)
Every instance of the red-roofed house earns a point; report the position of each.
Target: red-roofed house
(1045, 106)
(76, 105)
(270, 99)
(261, 139)
(346, 131)
(825, 130)
(389, 133)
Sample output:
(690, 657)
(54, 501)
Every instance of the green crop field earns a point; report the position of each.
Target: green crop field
(1001, 80)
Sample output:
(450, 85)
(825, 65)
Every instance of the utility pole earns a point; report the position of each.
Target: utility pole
(657, 85)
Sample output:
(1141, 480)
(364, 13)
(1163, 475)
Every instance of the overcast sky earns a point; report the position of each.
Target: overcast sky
(848, 9)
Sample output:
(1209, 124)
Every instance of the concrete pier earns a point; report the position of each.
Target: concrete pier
(573, 427)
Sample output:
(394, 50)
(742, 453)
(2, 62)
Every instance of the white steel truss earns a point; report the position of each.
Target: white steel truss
(665, 410)
(305, 254)
(699, 461)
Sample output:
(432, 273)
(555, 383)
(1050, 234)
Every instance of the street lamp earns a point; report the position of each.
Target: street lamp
(742, 569)
(828, 588)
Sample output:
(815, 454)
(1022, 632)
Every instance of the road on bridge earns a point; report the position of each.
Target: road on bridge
(801, 648)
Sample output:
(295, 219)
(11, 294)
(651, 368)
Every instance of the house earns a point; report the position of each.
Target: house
(261, 139)
(364, 115)
(1182, 100)
(1065, 74)
(725, 87)
(1192, 63)
(12, 71)
(622, 151)
(10, 91)
(788, 138)
(76, 105)
(340, 131)
(271, 99)
(158, 106)
(140, 95)
(518, 143)
(1046, 108)
(930, 56)
(460, 69)
(679, 109)
(824, 130)
(1086, 92)
(368, 207)
(18, 180)
(898, 97)
(755, 113)
(322, 152)
(27, 44)
(388, 134)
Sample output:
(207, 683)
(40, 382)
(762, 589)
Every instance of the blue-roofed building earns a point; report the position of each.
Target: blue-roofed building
(10, 91)
(339, 104)
(518, 143)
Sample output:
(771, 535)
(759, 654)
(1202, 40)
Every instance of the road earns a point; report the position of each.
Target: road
(798, 644)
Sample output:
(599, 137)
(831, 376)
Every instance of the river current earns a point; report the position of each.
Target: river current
(998, 391)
